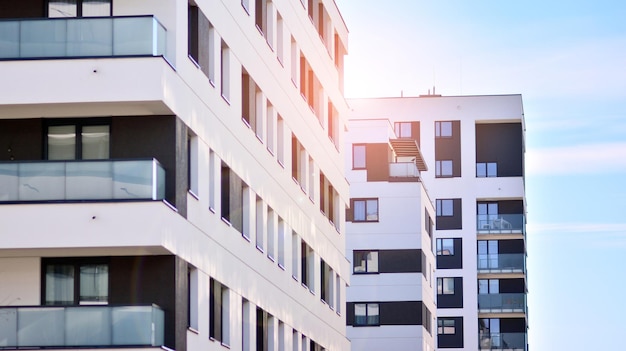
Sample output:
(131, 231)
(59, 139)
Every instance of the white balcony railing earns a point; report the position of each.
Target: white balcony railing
(403, 170)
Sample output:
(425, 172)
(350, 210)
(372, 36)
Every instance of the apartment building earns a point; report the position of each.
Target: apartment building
(474, 149)
(391, 301)
(171, 175)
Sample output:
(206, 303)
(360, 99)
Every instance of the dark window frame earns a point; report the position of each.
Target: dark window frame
(76, 263)
(367, 268)
(79, 9)
(441, 284)
(441, 325)
(439, 169)
(440, 245)
(367, 316)
(79, 123)
(439, 204)
(397, 127)
(365, 200)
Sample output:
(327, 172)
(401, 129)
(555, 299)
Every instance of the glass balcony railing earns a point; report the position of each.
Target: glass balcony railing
(501, 263)
(81, 326)
(82, 180)
(403, 170)
(506, 302)
(503, 341)
(82, 37)
(500, 224)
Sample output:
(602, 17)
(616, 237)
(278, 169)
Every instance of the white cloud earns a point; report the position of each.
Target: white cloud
(598, 158)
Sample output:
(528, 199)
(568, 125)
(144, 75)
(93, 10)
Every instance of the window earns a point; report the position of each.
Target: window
(298, 161)
(486, 169)
(443, 129)
(445, 286)
(78, 141)
(281, 242)
(306, 266)
(488, 286)
(365, 210)
(225, 71)
(446, 326)
(445, 247)
(403, 129)
(262, 329)
(366, 314)
(333, 123)
(326, 283)
(79, 8)
(365, 261)
(443, 168)
(271, 233)
(280, 140)
(260, 223)
(338, 294)
(192, 164)
(201, 41)
(192, 303)
(295, 255)
(328, 201)
(445, 207)
(358, 156)
(488, 254)
(76, 282)
(488, 217)
(219, 301)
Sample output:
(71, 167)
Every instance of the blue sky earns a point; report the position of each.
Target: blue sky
(568, 60)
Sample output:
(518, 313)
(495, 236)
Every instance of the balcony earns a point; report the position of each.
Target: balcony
(82, 37)
(81, 326)
(502, 263)
(500, 224)
(502, 303)
(81, 180)
(403, 170)
(503, 341)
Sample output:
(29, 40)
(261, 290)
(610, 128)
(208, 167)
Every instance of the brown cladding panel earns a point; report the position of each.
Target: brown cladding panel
(377, 158)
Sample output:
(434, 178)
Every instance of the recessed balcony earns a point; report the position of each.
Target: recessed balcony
(41, 181)
(501, 303)
(82, 37)
(503, 341)
(81, 326)
(502, 263)
(500, 224)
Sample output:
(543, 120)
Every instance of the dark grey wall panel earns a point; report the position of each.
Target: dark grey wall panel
(511, 246)
(400, 261)
(451, 222)
(452, 300)
(449, 148)
(512, 325)
(512, 286)
(21, 139)
(452, 261)
(147, 280)
(446, 341)
(22, 9)
(501, 143)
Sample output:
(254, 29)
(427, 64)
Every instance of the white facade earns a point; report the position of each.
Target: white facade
(401, 282)
(471, 169)
(236, 207)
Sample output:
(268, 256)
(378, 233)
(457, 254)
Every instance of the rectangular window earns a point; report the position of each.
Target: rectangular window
(486, 169)
(443, 168)
(78, 141)
(192, 304)
(333, 123)
(358, 156)
(445, 207)
(76, 282)
(280, 39)
(270, 127)
(295, 255)
(445, 286)
(260, 223)
(445, 247)
(79, 8)
(365, 261)
(307, 266)
(225, 72)
(365, 210)
(443, 129)
(192, 164)
(219, 303)
(281, 242)
(338, 294)
(280, 140)
(403, 129)
(366, 314)
(446, 326)
(488, 286)
(262, 328)
(212, 179)
(271, 233)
